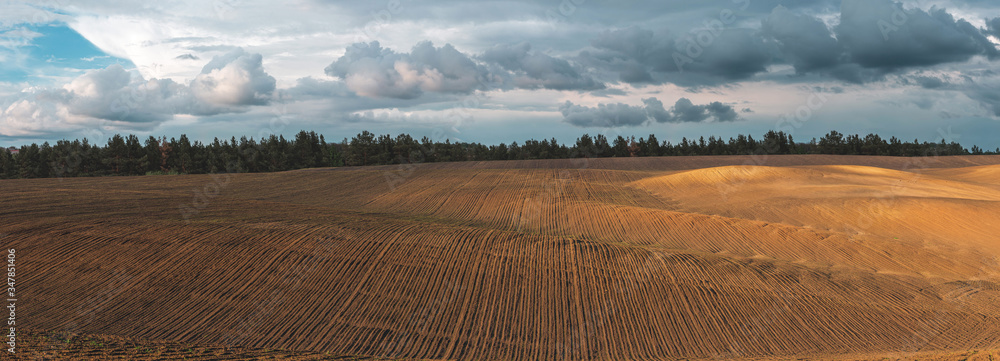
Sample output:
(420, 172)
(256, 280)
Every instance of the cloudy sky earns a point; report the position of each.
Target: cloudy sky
(500, 71)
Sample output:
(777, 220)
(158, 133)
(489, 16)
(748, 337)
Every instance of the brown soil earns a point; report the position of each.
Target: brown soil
(652, 258)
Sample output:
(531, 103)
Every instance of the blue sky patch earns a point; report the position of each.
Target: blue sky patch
(34, 53)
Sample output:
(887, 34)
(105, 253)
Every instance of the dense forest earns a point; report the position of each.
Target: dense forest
(130, 156)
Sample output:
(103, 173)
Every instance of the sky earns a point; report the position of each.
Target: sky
(500, 71)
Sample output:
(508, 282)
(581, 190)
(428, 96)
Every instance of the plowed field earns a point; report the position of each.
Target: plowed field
(652, 258)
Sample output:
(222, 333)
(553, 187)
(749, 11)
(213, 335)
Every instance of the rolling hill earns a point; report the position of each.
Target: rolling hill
(641, 258)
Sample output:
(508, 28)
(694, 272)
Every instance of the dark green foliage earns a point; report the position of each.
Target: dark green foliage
(127, 156)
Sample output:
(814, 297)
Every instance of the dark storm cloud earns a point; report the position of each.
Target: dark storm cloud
(630, 52)
(733, 55)
(723, 113)
(989, 97)
(882, 34)
(874, 38)
(857, 74)
(709, 55)
(604, 115)
(652, 110)
(981, 86)
(805, 40)
(929, 82)
(656, 111)
(686, 111)
(993, 27)
(373, 71)
(532, 70)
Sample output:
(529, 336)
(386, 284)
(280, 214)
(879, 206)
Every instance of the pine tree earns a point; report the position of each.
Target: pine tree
(8, 169)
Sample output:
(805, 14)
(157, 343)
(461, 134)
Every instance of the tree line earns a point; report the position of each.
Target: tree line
(127, 155)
